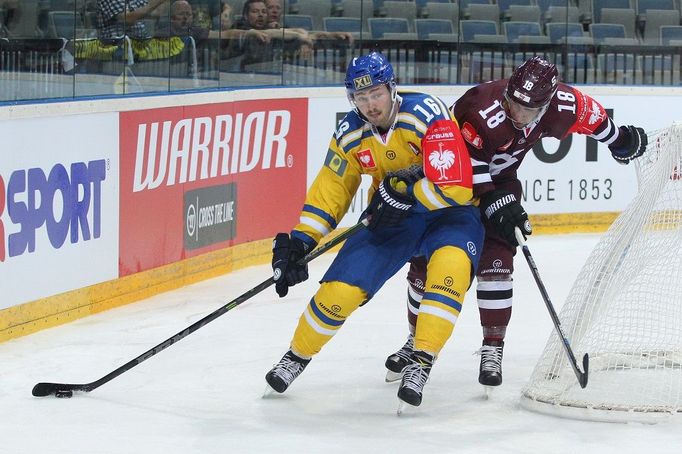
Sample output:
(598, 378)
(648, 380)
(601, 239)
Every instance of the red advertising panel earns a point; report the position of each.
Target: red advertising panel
(199, 178)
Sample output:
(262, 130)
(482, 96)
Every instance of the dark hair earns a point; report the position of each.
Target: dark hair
(243, 21)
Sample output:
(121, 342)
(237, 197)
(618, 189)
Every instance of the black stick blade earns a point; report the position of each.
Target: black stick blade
(44, 389)
(55, 389)
(586, 366)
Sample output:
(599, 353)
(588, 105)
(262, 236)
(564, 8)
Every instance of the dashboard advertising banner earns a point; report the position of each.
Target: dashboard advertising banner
(200, 178)
(58, 205)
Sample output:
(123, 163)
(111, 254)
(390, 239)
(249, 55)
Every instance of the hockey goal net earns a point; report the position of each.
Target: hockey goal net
(625, 307)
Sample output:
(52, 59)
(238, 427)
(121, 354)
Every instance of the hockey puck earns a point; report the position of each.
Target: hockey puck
(63, 393)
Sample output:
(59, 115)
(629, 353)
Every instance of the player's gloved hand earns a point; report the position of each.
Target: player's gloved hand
(390, 203)
(505, 212)
(287, 272)
(632, 146)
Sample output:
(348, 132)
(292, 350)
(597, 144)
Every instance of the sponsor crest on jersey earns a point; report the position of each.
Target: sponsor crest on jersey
(362, 82)
(596, 113)
(366, 159)
(442, 165)
(335, 163)
(470, 135)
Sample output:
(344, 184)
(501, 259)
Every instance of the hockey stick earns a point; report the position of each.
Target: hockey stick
(582, 376)
(67, 389)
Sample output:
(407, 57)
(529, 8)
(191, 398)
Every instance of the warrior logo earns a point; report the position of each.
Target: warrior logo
(442, 160)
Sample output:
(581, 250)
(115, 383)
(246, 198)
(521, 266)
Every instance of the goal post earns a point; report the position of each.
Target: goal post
(625, 307)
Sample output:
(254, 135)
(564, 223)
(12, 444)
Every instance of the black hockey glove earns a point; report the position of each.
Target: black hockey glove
(389, 204)
(633, 145)
(504, 212)
(287, 272)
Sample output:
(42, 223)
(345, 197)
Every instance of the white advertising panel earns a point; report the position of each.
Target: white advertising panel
(572, 176)
(59, 183)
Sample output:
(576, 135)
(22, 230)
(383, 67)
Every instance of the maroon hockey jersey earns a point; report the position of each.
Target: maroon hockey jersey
(497, 148)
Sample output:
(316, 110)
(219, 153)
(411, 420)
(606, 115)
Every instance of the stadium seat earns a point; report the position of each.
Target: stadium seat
(342, 24)
(625, 16)
(557, 32)
(597, 6)
(316, 9)
(380, 25)
(426, 27)
(469, 28)
(601, 31)
(401, 9)
(524, 13)
(669, 33)
(298, 21)
(512, 30)
(655, 19)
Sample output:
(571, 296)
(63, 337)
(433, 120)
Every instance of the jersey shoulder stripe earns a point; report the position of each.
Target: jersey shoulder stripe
(349, 132)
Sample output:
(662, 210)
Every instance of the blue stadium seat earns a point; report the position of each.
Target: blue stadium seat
(513, 30)
(597, 6)
(644, 5)
(505, 4)
(670, 32)
(298, 21)
(469, 28)
(558, 31)
(545, 4)
(601, 31)
(343, 24)
(425, 27)
(422, 3)
(380, 25)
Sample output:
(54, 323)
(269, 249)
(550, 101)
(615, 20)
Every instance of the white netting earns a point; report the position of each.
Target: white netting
(625, 307)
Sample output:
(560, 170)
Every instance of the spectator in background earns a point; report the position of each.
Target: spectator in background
(124, 17)
(256, 50)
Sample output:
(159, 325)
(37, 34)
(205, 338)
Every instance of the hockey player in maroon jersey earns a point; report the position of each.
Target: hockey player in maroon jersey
(501, 121)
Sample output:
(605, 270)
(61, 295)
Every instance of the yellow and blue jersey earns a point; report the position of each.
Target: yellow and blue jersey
(358, 148)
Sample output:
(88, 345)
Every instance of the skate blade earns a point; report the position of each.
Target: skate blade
(488, 391)
(393, 376)
(269, 391)
(404, 407)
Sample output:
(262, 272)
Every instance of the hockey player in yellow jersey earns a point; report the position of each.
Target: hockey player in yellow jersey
(422, 204)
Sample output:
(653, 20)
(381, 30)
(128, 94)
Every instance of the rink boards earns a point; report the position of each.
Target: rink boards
(105, 202)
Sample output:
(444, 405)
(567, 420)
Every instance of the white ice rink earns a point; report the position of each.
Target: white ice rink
(203, 394)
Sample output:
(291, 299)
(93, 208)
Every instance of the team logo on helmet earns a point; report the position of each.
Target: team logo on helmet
(362, 82)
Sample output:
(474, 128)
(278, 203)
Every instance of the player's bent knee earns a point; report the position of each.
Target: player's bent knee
(451, 266)
(324, 316)
(339, 299)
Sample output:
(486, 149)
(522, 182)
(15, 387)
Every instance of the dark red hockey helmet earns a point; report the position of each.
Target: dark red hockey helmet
(533, 83)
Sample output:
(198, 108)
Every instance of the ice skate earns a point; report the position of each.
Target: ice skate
(396, 362)
(284, 373)
(490, 370)
(415, 376)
